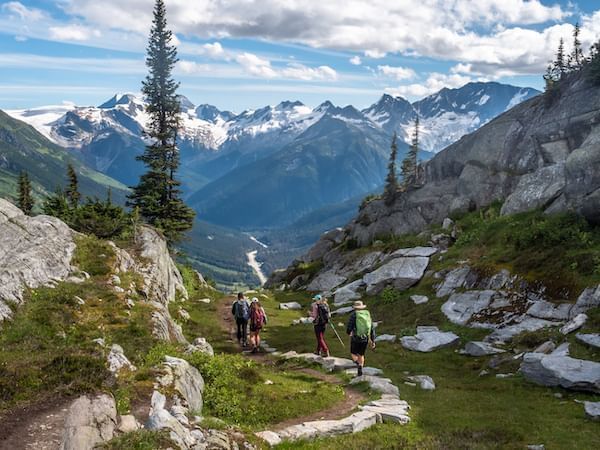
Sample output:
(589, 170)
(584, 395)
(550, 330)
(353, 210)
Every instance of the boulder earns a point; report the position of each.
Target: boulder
(381, 385)
(91, 420)
(592, 340)
(117, 360)
(457, 278)
(546, 347)
(447, 223)
(270, 437)
(161, 419)
(201, 345)
(400, 272)
(290, 305)
(589, 298)
(343, 310)
(419, 299)
(326, 281)
(34, 251)
(184, 379)
(333, 363)
(429, 341)
(425, 382)
(564, 371)
(592, 410)
(386, 338)
(574, 324)
(460, 307)
(476, 348)
(164, 327)
(546, 310)
(347, 293)
(506, 333)
(128, 423)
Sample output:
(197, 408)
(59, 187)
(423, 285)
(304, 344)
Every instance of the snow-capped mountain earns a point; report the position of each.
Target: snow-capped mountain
(449, 114)
(213, 142)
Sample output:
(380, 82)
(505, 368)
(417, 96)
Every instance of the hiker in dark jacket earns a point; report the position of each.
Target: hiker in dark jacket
(258, 319)
(321, 315)
(361, 332)
(241, 312)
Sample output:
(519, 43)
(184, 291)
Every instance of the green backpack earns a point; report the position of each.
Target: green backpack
(363, 324)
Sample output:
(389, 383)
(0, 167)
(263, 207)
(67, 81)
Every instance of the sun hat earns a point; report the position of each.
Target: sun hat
(318, 297)
(359, 305)
(254, 300)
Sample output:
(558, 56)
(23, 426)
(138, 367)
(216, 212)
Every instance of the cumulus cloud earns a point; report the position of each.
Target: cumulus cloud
(191, 67)
(434, 83)
(73, 33)
(213, 50)
(355, 60)
(399, 73)
(262, 68)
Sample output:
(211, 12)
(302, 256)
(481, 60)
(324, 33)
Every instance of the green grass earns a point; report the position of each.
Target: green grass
(140, 440)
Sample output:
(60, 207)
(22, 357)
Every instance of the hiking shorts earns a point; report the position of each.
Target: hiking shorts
(358, 346)
(255, 328)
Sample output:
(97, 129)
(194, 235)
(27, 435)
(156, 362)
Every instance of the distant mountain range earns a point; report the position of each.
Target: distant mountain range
(278, 166)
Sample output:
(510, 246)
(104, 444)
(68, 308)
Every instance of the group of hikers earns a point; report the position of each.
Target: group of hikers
(360, 326)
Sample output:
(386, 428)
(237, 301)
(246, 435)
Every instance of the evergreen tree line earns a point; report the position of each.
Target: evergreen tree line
(575, 61)
(157, 197)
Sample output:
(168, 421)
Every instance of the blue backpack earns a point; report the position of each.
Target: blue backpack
(242, 310)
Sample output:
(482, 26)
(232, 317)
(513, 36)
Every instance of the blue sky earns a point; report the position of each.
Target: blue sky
(239, 54)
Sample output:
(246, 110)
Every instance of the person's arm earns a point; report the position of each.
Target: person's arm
(313, 311)
(234, 304)
(264, 315)
(372, 334)
(351, 324)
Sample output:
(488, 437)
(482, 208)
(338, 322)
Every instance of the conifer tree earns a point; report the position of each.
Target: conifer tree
(576, 58)
(391, 181)
(594, 70)
(560, 65)
(409, 164)
(72, 192)
(26, 201)
(158, 195)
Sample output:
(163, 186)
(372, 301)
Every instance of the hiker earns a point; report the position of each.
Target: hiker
(361, 332)
(320, 314)
(241, 311)
(258, 319)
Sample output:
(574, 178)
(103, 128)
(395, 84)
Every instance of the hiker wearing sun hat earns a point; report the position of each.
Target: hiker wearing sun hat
(320, 314)
(361, 332)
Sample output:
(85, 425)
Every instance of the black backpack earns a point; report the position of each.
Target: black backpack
(323, 315)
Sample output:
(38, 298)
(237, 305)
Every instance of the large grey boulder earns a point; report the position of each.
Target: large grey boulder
(290, 305)
(461, 307)
(574, 324)
(186, 380)
(428, 341)
(348, 292)
(589, 298)
(546, 310)
(592, 339)
(34, 252)
(91, 420)
(477, 348)
(326, 281)
(379, 384)
(457, 278)
(117, 360)
(592, 410)
(536, 189)
(161, 419)
(561, 370)
(400, 272)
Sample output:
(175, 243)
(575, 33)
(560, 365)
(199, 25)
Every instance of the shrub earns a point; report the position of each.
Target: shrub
(100, 218)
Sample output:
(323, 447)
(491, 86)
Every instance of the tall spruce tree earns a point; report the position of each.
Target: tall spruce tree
(576, 58)
(560, 65)
(25, 200)
(409, 164)
(391, 181)
(72, 192)
(158, 195)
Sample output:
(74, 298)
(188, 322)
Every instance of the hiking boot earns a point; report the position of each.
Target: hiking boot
(327, 355)
(360, 371)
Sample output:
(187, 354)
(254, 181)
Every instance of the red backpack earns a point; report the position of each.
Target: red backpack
(258, 317)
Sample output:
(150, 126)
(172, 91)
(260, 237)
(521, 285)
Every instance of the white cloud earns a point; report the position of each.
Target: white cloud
(434, 83)
(73, 33)
(262, 68)
(399, 73)
(20, 38)
(355, 60)
(375, 54)
(23, 12)
(191, 68)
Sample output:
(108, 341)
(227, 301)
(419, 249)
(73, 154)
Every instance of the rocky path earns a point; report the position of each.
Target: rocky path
(345, 417)
(34, 427)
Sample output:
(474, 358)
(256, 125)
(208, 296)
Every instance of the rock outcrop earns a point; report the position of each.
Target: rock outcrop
(34, 252)
(90, 421)
(558, 369)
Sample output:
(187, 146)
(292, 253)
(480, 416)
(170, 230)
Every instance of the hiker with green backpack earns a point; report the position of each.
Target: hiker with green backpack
(361, 332)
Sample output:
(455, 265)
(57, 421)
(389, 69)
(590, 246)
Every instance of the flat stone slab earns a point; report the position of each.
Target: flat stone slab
(478, 348)
(334, 363)
(589, 339)
(460, 307)
(546, 310)
(366, 370)
(386, 338)
(342, 311)
(505, 334)
(415, 251)
(347, 293)
(290, 305)
(428, 341)
(574, 324)
(419, 299)
(401, 273)
(561, 370)
(592, 410)
(382, 385)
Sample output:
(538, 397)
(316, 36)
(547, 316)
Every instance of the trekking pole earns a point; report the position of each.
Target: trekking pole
(338, 336)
